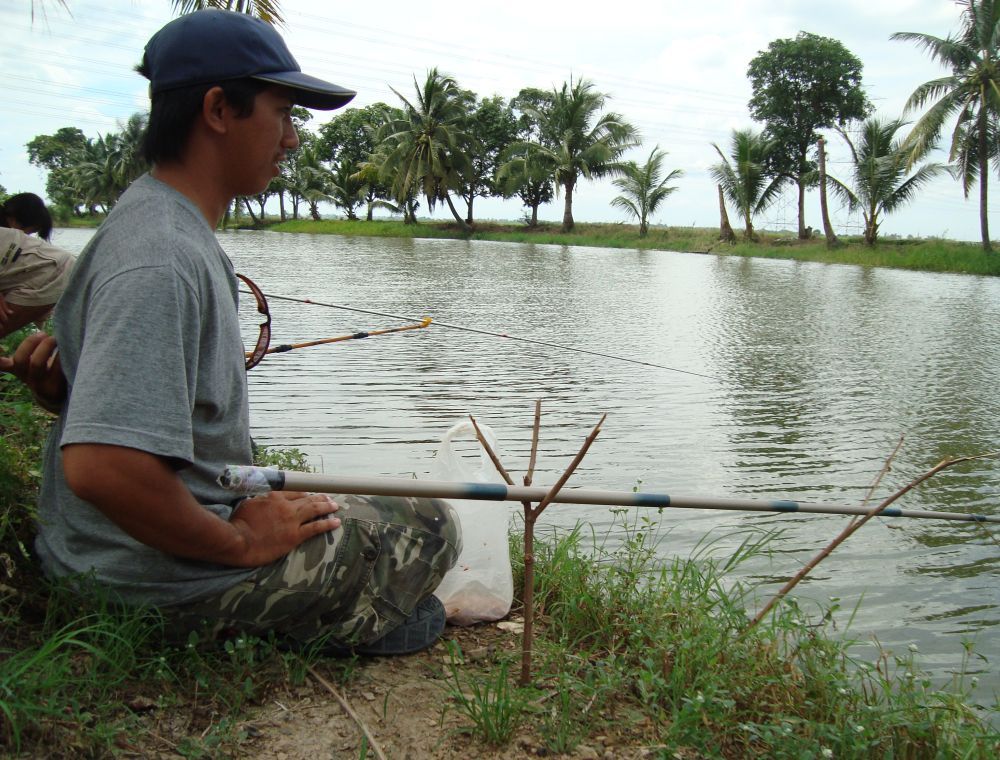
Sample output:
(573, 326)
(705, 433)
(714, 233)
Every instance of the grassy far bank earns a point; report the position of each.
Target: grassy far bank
(928, 255)
(932, 255)
(640, 658)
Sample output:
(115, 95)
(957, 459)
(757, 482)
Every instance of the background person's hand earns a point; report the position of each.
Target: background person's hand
(36, 364)
(274, 524)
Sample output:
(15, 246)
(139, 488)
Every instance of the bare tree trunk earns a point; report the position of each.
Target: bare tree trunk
(253, 218)
(568, 223)
(984, 166)
(803, 232)
(281, 204)
(534, 215)
(725, 229)
(454, 212)
(831, 237)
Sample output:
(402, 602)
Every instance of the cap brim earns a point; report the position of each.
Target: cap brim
(311, 92)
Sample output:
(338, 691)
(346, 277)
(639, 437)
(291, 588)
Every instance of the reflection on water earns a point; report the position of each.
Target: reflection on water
(819, 372)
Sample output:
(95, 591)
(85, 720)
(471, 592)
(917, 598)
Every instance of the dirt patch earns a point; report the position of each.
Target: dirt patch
(404, 704)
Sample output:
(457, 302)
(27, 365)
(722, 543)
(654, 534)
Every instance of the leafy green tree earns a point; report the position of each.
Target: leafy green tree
(425, 151)
(524, 172)
(970, 95)
(799, 86)
(745, 181)
(492, 127)
(644, 188)
(879, 173)
(57, 153)
(528, 175)
(576, 140)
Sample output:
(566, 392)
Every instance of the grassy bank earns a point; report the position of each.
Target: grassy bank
(643, 659)
(932, 255)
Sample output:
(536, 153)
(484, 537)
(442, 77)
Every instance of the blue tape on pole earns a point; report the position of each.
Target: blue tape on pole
(488, 491)
(652, 500)
(783, 505)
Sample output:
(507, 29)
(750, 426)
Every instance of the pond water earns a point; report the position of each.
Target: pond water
(810, 374)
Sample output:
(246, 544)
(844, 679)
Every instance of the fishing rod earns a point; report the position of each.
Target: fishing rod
(492, 334)
(250, 480)
(425, 322)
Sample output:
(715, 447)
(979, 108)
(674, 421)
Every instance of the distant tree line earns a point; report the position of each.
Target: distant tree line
(447, 145)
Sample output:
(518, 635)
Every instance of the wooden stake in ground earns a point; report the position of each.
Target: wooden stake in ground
(530, 516)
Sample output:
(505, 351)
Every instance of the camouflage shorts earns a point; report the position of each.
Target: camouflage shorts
(352, 585)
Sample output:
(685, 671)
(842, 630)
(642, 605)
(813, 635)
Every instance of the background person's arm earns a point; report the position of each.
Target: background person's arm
(142, 494)
(14, 316)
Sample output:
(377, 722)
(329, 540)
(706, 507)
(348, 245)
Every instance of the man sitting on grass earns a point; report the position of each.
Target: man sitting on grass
(152, 394)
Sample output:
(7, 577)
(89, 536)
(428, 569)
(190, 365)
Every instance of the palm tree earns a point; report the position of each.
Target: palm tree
(971, 93)
(644, 189)
(129, 163)
(314, 181)
(572, 143)
(347, 189)
(265, 10)
(423, 147)
(745, 181)
(880, 164)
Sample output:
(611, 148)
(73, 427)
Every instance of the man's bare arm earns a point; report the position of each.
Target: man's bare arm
(141, 494)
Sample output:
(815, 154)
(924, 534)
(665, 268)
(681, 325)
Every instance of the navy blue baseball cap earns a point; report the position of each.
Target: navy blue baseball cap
(211, 46)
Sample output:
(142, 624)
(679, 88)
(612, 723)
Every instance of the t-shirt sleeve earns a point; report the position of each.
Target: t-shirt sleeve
(134, 382)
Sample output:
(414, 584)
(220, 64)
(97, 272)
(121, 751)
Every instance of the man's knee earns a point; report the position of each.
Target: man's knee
(433, 517)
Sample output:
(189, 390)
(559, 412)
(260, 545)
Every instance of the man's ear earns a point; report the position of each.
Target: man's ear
(214, 109)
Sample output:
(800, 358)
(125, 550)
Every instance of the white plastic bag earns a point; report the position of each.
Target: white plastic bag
(480, 587)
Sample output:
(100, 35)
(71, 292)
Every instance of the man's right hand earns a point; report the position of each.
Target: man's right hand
(274, 524)
(36, 364)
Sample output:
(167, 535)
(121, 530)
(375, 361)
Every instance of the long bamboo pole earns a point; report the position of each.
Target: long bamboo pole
(251, 480)
(425, 322)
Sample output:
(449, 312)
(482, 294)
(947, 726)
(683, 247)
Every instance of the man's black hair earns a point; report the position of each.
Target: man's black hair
(29, 211)
(173, 112)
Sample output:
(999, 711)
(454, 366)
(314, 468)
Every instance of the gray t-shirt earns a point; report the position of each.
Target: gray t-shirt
(150, 344)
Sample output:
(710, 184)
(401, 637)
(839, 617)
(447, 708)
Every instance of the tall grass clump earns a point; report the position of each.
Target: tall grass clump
(658, 653)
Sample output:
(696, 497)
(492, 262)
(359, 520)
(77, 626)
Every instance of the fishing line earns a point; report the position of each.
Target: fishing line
(493, 334)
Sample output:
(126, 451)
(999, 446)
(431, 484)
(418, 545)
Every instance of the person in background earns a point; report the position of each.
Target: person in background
(33, 272)
(150, 386)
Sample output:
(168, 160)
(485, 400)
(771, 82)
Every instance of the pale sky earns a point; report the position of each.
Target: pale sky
(677, 70)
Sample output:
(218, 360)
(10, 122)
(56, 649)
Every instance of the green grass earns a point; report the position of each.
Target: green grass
(932, 255)
(655, 656)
